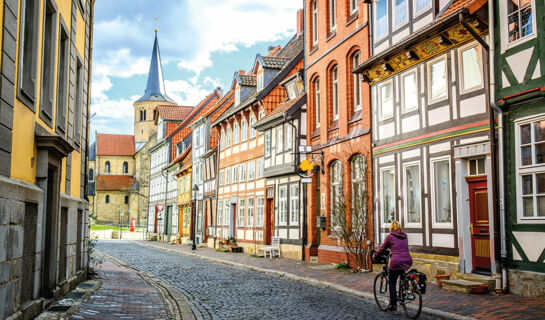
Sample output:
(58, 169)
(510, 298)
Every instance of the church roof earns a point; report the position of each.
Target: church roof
(155, 88)
(173, 113)
(116, 183)
(115, 145)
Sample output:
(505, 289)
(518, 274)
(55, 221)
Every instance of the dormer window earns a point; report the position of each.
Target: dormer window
(291, 89)
(260, 81)
(237, 97)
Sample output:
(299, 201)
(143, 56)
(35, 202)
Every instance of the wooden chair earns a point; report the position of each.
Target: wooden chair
(273, 249)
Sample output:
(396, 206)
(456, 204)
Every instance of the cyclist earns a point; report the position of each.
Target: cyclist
(401, 260)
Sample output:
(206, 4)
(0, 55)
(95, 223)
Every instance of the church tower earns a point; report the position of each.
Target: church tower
(154, 95)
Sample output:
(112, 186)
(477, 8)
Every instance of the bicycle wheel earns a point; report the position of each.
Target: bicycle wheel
(382, 294)
(412, 299)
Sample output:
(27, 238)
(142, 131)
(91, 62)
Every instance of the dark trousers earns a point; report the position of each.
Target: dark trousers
(393, 276)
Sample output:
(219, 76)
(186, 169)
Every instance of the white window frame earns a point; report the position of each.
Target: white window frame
(250, 210)
(294, 205)
(268, 143)
(221, 178)
(402, 24)
(243, 131)
(222, 140)
(251, 170)
(219, 218)
(353, 6)
(236, 133)
(383, 116)
(505, 27)
(356, 84)
(335, 92)
(237, 97)
(228, 176)
(404, 108)
(235, 174)
(440, 225)
(476, 166)
(252, 129)
(532, 169)
(375, 12)
(260, 168)
(241, 219)
(461, 68)
(283, 212)
(227, 213)
(406, 195)
(332, 188)
(381, 188)
(332, 15)
(316, 84)
(291, 90)
(314, 22)
(279, 139)
(421, 11)
(447, 88)
(288, 137)
(260, 81)
(260, 217)
(242, 172)
(228, 135)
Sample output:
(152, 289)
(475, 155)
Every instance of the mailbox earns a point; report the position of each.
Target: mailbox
(321, 222)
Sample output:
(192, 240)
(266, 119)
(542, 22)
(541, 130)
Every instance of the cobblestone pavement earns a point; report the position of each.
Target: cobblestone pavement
(123, 295)
(488, 306)
(218, 291)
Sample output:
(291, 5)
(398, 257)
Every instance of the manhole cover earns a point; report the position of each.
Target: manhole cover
(86, 285)
(59, 308)
(75, 295)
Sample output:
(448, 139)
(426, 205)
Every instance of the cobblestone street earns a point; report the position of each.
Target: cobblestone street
(217, 291)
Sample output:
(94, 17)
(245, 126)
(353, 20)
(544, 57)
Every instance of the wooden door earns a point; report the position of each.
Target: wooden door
(156, 220)
(269, 221)
(480, 226)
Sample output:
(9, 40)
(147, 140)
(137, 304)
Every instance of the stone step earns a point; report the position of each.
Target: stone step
(313, 259)
(488, 280)
(459, 285)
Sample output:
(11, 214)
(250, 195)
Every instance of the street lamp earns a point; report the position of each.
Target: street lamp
(194, 194)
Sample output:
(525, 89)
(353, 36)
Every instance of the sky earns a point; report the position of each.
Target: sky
(202, 43)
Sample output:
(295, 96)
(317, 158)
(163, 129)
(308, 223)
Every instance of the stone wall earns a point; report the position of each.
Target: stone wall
(108, 213)
(116, 165)
(526, 283)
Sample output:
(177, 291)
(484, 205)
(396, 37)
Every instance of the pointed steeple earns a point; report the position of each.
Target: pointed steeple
(155, 89)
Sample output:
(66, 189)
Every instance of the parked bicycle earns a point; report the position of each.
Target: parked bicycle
(412, 285)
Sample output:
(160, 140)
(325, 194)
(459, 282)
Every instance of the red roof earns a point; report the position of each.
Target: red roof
(115, 183)
(115, 145)
(173, 113)
(471, 5)
(283, 107)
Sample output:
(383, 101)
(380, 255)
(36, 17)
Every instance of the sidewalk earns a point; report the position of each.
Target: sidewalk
(443, 303)
(123, 295)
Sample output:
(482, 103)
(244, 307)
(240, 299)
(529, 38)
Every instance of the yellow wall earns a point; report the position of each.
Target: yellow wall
(143, 130)
(116, 165)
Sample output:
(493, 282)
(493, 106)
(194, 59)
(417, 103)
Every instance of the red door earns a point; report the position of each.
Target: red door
(269, 223)
(156, 219)
(480, 227)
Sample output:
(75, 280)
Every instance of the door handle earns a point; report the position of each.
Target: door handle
(471, 228)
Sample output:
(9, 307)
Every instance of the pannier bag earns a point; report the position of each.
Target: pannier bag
(421, 279)
(382, 259)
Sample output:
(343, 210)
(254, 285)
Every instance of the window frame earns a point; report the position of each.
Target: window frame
(333, 186)
(504, 20)
(29, 97)
(237, 96)
(242, 172)
(404, 23)
(253, 131)
(382, 116)
(260, 214)
(332, 15)
(381, 189)
(260, 81)
(352, 7)
(125, 167)
(107, 167)
(334, 71)
(236, 133)
(243, 130)
(235, 174)
(228, 137)
(429, 64)
(435, 224)
(294, 210)
(316, 85)
(250, 212)
(279, 145)
(288, 137)
(404, 108)
(314, 23)
(260, 168)
(268, 144)
(251, 170)
(417, 12)
(376, 21)
(408, 224)
(461, 50)
(283, 215)
(241, 219)
(63, 68)
(356, 83)
(48, 55)
(219, 217)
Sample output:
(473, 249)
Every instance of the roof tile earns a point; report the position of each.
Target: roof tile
(115, 183)
(174, 113)
(115, 145)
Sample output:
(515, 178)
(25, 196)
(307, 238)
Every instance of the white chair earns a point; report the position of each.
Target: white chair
(273, 249)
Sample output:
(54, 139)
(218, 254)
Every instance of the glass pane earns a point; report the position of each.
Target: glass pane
(387, 103)
(382, 18)
(442, 192)
(481, 166)
(528, 207)
(513, 23)
(413, 194)
(472, 66)
(527, 185)
(524, 3)
(540, 183)
(422, 4)
(526, 155)
(541, 206)
(410, 92)
(539, 130)
(400, 12)
(526, 21)
(512, 6)
(388, 196)
(472, 167)
(540, 153)
(438, 80)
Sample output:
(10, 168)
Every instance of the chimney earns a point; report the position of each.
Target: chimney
(300, 22)
(241, 72)
(271, 48)
(219, 90)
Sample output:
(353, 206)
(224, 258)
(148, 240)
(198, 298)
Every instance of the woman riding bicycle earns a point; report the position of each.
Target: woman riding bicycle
(401, 260)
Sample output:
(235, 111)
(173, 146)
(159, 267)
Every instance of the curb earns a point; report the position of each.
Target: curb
(311, 281)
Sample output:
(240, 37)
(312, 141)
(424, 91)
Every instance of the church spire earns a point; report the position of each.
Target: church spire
(155, 89)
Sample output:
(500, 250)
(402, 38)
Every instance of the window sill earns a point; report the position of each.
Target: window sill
(352, 18)
(331, 35)
(333, 126)
(355, 117)
(313, 49)
(316, 133)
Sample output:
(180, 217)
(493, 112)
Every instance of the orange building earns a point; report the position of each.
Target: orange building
(338, 118)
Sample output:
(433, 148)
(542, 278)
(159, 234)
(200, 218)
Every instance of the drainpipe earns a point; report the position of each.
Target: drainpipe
(217, 185)
(166, 194)
(497, 166)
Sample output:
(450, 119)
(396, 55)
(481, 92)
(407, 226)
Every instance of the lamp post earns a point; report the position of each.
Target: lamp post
(194, 196)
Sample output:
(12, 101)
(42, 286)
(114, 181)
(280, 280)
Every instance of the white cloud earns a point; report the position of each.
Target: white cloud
(187, 93)
(113, 109)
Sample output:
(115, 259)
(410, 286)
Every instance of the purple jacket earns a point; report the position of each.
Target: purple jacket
(399, 246)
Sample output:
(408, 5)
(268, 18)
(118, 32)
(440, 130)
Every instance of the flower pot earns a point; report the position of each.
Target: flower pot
(440, 277)
(480, 288)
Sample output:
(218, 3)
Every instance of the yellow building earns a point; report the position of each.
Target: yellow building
(45, 66)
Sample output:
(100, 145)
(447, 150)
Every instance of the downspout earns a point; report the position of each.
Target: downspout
(217, 185)
(496, 153)
(165, 203)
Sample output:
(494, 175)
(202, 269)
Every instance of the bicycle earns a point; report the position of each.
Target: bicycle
(409, 292)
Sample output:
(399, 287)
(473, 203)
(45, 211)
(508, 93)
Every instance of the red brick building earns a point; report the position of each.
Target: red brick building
(338, 117)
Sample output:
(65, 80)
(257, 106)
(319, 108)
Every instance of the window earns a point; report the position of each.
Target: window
(441, 195)
(227, 213)
(317, 102)
(357, 176)
(48, 56)
(260, 212)
(356, 86)
(260, 168)
(279, 139)
(353, 6)
(477, 166)
(241, 213)
(237, 97)
(268, 143)
(243, 172)
(530, 137)
(107, 167)
(228, 176)
(244, 130)
(410, 92)
(251, 170)
(386, 101)
(261, 114)
(388, 198)
(336, 187)
(519, 19)
(252, 129)
(62, 80)
(421, 5)
(332, 15)
(437, 71)
(78, 101)
(222, 140)
(381, 19)
(283, 205)
(235, 174)
(335, 93)
(401, 12)
(236, 133)
(289, 137)
(250, 218)
(291, 90)
(412, 194)
(219, 218)
(228, 141)
(221, 177)
(294, 204)
(260, 81)
(315, 22)
(125, 167)
(107, 199)
(472, 68)
(126, 199)
(91, 174)
(28, 56)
